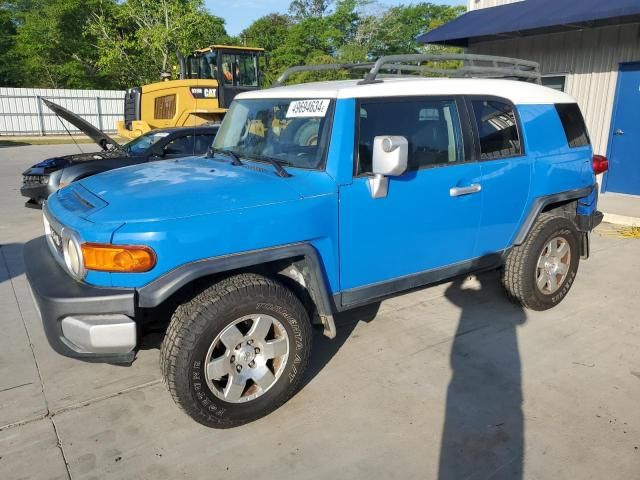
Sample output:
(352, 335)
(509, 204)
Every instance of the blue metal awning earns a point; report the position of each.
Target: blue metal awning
(530, 17)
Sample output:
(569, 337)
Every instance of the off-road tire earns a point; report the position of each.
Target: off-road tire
(196, 323)
(519, 273)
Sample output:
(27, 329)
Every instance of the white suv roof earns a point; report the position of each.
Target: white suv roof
(520, 93)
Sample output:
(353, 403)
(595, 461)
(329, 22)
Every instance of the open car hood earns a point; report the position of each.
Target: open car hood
(102, 139)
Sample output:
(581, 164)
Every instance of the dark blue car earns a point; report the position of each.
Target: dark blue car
(46, 177)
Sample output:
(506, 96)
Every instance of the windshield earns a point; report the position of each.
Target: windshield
(144, 142)
(293, 132)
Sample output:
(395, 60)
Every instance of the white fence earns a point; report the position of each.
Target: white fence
(23, 113)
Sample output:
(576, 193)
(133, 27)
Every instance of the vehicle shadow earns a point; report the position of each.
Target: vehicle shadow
(324, 348)
(483, 432)
(12, 143)
(11, 261)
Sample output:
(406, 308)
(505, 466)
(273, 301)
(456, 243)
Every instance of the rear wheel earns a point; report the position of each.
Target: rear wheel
(539, 273)
(236, 351)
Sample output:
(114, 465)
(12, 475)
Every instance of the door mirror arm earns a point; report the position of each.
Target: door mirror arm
(158, 152)
(390, 157)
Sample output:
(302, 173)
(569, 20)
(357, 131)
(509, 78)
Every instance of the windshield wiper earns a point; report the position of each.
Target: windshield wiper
(235, 158)
(280, 171)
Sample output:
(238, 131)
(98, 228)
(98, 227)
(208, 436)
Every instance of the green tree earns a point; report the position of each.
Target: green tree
(52, 47)
(396, 31)
(267, 32)
(8, 64)
(301, 9)
(120, 43)
(317, 39)
(138, 39)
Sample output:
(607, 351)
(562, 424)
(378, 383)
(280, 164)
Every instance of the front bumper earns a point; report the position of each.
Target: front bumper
(36, 194)
(80, 321)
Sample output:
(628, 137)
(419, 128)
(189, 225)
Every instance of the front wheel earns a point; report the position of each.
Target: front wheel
(236, 351)
(539, 273)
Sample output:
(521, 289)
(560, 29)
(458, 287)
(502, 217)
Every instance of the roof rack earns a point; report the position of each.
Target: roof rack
(318, 68)
(474, 66)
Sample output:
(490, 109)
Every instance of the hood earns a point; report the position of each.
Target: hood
(103, 140)
(184, 188)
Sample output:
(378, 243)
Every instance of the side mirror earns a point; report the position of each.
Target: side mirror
(390, 156)
(158, 152)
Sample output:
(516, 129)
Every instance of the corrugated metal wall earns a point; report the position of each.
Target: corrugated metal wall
(21, 112)
(590, 60)
(476, 4)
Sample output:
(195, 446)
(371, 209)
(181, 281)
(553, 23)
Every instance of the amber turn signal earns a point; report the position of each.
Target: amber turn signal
(118, 258)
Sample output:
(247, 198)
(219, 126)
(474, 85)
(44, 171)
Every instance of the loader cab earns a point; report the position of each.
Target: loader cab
(236, 69)
(209, 80)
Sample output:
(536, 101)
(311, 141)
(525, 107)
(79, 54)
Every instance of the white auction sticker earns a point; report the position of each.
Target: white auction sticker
(308, 108)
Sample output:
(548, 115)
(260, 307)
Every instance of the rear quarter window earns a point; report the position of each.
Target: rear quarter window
(497, 129)
(573, 124)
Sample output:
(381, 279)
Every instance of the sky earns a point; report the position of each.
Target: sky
(239, 14)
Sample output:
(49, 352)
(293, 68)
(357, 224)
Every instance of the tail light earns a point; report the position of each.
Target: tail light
(600, 164)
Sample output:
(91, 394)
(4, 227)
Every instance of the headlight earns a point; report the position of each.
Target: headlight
(30, 180)
(73, 257)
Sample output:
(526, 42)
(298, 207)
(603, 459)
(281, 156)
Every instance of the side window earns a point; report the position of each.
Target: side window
(573, 124)
(227, 68)
(432, 128)
(497, 128)
(557, 82)
(180, 146)
(202, 143)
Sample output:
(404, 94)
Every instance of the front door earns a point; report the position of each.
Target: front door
(423, 223)
(624, 154)
(238, 73)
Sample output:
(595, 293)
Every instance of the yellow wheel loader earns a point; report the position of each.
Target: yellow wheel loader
(209, 80)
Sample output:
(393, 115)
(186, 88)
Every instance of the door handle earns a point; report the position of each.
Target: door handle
(459, 191)
(618, 132)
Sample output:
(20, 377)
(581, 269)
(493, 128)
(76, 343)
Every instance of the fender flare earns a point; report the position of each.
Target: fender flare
(154, 293)
(541, 202)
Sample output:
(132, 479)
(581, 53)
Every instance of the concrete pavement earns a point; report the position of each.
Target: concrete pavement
(449, 382)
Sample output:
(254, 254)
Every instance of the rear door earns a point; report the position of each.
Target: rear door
(424, 223)
(506, 171)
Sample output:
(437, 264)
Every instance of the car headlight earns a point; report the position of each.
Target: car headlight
(73, 256)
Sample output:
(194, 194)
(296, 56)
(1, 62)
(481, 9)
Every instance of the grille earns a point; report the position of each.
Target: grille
(165, 107)
(54, 239)
(35, 179)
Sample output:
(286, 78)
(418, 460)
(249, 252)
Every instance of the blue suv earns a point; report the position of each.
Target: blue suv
(314, 199)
